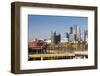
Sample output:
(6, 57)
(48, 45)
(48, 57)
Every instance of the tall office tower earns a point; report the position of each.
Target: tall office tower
(71, 30)
(78, 33)
(75, 33)
(72, 34)
(85, 35)
(75, 29)
(67, 36)
(78, 29)
(55, 39)
(82, 36)
(71, 37)
(53, 34)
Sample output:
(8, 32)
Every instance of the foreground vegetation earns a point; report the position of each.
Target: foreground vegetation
(68, 46)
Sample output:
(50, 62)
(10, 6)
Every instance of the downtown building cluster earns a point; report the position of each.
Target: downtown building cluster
(74, 35)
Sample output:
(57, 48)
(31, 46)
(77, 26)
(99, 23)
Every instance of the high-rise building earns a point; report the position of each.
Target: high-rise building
(71, 30)
(55, 39)
(67, 35)
(71, 37)
(75, 33)
(85, 35)
(76, 29)
(78, 34)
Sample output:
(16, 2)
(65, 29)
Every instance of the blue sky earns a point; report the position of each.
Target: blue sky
(41, 26)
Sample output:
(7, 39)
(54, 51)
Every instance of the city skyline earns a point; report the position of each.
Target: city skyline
(40, 26)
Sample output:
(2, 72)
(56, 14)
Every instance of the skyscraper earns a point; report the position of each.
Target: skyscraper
(75, 33)
(71, 37)
(78, 33)
(76, 29)
(71, 30)
(85, 35)
(55, 39)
